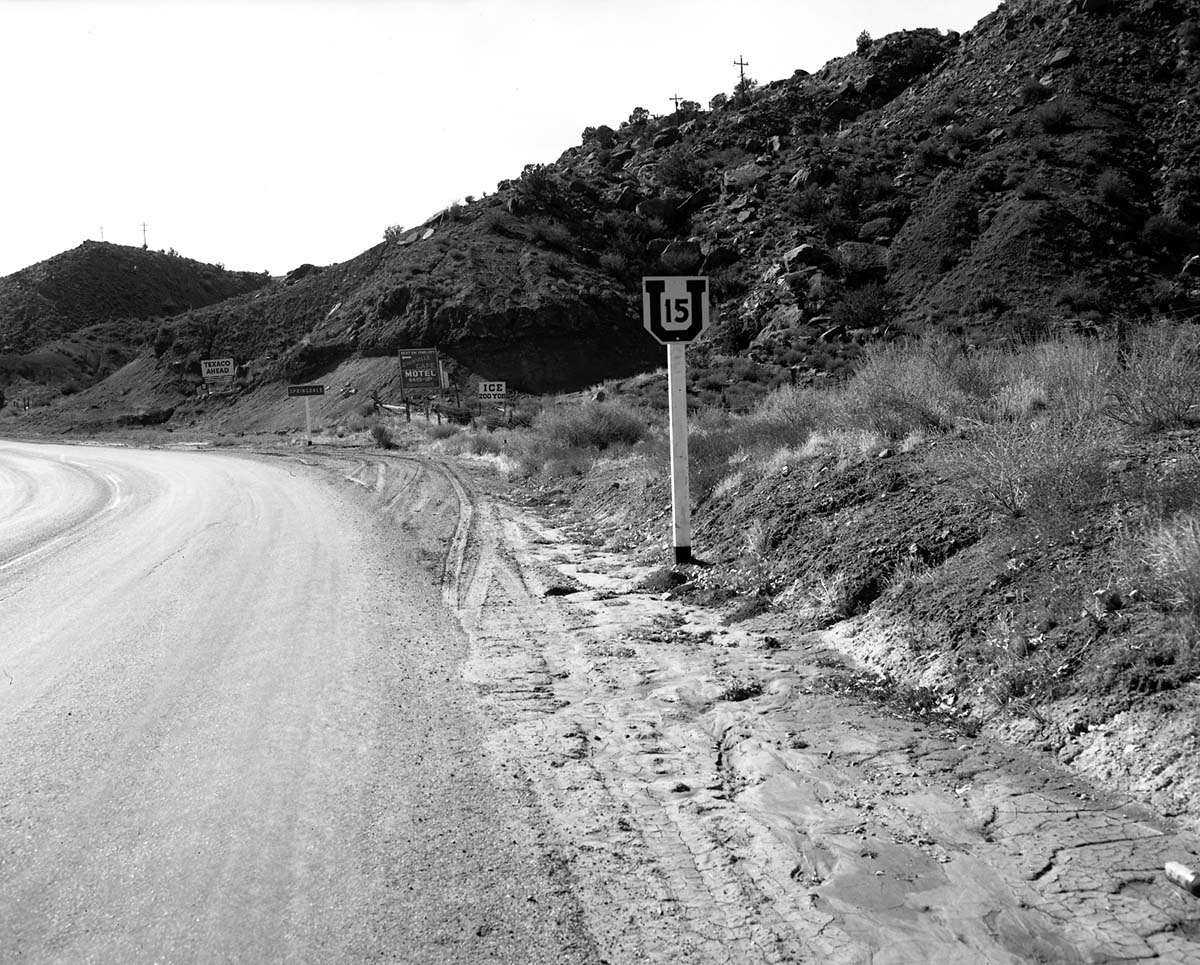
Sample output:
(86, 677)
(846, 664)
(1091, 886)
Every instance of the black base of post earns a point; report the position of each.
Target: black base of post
(683, 555)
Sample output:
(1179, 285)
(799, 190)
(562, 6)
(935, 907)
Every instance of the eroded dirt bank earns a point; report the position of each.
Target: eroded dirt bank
(730, 794)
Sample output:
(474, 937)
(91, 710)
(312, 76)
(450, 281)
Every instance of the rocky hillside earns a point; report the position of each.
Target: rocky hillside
(100, 282)
(70, 321)
(1039, 172)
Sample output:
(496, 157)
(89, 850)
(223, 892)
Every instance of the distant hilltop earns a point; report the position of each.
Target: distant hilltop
(100, 282)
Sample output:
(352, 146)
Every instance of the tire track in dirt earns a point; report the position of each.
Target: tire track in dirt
(657, 883)
(715, 784)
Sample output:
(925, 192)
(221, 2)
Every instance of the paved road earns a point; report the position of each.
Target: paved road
(232, 728)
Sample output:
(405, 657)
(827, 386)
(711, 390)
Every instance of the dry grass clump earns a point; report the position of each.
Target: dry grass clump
(442, 430)
(1172, 554)
(594, 425)
(910, 385)
(383, 436)
(1158, 382)
(1049, 473)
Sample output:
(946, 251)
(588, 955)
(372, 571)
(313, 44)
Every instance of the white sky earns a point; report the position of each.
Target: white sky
(267, 133)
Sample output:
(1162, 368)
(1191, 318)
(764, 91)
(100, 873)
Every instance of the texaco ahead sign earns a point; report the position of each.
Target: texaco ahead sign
(675, 307)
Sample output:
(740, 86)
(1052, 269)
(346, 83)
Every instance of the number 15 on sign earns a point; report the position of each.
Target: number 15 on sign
(675, 312)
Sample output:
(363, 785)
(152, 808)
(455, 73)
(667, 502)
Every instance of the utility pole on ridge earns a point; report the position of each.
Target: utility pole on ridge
(144, 245)
(676, 99)
(741, 64)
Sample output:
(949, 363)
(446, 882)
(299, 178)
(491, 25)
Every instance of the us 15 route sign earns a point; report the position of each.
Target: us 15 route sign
(675, 307)
(675, 312)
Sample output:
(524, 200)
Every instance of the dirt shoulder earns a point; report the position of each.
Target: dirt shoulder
(739, 793)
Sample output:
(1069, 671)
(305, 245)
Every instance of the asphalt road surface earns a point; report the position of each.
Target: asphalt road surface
(233, 728)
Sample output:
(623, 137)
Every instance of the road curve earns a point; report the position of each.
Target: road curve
(232, 728)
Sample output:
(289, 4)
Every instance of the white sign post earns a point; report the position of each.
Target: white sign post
(675, 312)
(308, 391)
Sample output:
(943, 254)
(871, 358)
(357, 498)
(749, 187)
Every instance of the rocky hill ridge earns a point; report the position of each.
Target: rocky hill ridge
(102, 282)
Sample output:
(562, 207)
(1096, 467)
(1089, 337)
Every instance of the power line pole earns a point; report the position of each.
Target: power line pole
(741, 64)
(676, 99)
(144, 245)
(102, 232)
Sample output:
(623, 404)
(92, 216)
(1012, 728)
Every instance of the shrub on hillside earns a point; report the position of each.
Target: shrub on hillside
(1070, 374)
(1033, 91)
(1047, 473)
(552, 235)
(1172, 555)
(382, 436)
(163, 340)
(1055, 117)
(942, 114)
(443, 430)
(595, 425)
(536, 182)
(863, 307)
(498, 221)
(615, 263)
(1113, 189)
(905, 386)
(1164, 233)
(1158, 383)
(679, 170)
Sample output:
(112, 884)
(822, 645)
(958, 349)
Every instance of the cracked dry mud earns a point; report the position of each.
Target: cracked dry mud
(719, 801)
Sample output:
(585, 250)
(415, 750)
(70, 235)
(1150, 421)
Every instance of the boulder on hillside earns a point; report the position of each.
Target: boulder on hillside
(683, 257)
(875, 229)
(803, 255)
(811, 174)
(797, 282)
(622, 157)
(627, 199)
(695, 201)
(655, 208)
(1062, 57)
(1191, 268)
(719, 256)
(744, 178)
(665, 138)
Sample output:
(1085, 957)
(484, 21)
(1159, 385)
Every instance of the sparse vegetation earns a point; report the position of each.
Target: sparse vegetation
(1157, 385)
(1055, 117)
(596, 425)
(383, 436)
(1114, 189)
